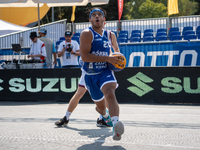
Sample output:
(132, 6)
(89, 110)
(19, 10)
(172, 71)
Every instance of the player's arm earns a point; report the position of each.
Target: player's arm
(114, 42)
(85, 48)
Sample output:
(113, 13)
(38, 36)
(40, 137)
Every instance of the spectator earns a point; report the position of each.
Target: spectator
(38, 50)
(69, 51)
(50, 48)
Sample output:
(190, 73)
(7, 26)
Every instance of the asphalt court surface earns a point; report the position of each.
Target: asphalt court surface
(30, 126)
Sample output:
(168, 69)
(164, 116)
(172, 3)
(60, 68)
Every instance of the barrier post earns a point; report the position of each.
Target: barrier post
(118, 27)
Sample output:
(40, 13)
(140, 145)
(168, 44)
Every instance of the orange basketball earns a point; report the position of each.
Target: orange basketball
(121, 65)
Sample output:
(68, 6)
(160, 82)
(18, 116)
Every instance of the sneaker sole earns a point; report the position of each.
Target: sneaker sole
(98, 125)
(118, 130)
(59, 126)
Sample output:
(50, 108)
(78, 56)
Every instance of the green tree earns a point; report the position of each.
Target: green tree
(198, 7)
(132, 8)
(162, 1)
(149, 9)
(187, 7)
(130, 11)
(81, 15)
(80, 12)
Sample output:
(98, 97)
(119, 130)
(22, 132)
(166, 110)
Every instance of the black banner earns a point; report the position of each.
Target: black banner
(136, 85)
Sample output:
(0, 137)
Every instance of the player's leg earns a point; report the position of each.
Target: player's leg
(72, 104)
(105, 103)
(101, 109)
(96, 94)
(109, 92)
(76, 98)
(108, 86)
(100, 120)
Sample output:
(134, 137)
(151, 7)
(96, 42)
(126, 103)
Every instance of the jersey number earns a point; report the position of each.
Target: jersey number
(105, 44)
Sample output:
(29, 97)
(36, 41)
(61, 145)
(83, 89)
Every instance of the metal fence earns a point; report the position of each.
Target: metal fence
(110, 25)
(181, 22)
(54, 31)
(143, 24)
(129, 25)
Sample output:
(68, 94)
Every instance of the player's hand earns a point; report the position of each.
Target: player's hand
(114, 60)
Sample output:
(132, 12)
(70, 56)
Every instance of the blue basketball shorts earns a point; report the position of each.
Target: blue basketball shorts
(94, 83)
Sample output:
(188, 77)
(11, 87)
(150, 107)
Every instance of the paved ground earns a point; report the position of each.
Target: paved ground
(30, 126)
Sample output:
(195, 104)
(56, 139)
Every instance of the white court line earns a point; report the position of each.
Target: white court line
(185, 115)
(101, 141)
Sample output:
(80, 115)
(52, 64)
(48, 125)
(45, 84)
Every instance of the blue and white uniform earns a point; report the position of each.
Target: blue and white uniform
(97, 74)
(81, 81)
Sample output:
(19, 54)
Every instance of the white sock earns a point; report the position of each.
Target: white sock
(114, 119)
(68, 115)
(100, 117)
(106, 115)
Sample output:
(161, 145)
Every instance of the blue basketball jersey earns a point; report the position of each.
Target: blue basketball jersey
(100, 47)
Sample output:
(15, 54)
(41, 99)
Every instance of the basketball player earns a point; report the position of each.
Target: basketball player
(99, 79)
(81, 91)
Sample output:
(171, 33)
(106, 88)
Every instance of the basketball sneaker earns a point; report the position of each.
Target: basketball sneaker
(108, 120)
(118, 130)
(62, 122)
(102, 123)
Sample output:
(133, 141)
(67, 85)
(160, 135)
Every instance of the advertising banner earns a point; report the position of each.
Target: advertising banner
(120, 8)
(162, 54)
(159, 85)
(136, 85)
(154, 54)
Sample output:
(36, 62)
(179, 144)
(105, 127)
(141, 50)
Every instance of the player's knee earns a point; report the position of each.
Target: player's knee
(110, 94)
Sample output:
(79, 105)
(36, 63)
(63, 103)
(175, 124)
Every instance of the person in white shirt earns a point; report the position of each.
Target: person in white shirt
(69, 51)
(37, 51)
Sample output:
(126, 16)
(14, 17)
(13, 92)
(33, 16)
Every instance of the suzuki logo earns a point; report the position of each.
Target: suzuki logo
(140, 88)
(1, 81)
